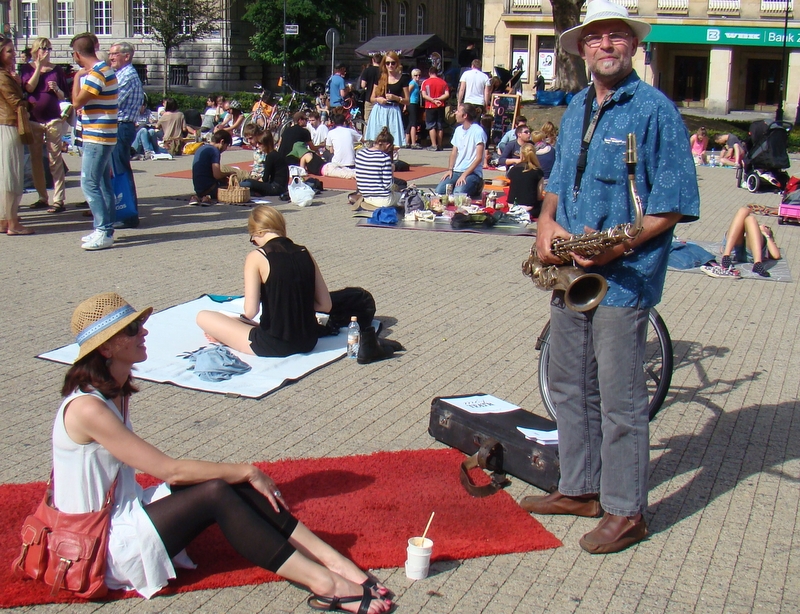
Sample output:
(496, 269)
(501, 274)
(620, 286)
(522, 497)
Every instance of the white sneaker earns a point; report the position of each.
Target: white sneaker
(91, 235)
(720, 272)
(102, 241)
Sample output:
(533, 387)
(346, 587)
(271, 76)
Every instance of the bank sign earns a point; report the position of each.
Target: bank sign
(723, 36)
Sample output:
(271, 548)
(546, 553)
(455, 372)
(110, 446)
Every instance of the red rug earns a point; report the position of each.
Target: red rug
(365, 506)
(334, 183)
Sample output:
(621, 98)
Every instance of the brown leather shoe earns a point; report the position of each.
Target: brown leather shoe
(613, 534)
(556, 503)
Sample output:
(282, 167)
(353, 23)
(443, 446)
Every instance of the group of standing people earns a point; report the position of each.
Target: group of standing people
(107, 95)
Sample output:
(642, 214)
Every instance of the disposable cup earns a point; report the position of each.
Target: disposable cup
(416, 574)
(418, 558)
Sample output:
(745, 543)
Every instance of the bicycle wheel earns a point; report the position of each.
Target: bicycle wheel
(359, 125)
(658, 364)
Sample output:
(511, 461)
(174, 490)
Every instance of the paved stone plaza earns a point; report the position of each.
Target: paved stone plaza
(725, 450)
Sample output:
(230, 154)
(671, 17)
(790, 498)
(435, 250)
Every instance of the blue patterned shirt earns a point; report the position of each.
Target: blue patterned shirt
(131, 94)
(665, 180)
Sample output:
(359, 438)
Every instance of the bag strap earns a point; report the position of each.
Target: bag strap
(490, 455)
(589, 125)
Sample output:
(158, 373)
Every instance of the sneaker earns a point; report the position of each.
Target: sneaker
(101, 241)
(726, 262)
(759, 269)
(720, 272)
(91, 236)
(416, 146)
(432, 148)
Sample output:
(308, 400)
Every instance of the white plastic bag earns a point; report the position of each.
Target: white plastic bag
(300, 193)
(297, 171)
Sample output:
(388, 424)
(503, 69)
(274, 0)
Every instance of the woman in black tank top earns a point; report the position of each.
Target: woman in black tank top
(283, 281)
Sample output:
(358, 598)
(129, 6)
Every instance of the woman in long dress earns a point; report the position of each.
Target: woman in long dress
(11, 176)
(389, 95)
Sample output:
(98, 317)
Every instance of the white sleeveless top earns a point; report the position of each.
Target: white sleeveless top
(83, 473)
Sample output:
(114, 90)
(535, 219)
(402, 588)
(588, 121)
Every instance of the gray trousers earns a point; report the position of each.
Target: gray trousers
(598, 387)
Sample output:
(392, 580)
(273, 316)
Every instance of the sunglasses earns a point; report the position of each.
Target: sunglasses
(133, 329)
(391, 63)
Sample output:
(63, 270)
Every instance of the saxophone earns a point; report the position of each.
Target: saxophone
(583, 291)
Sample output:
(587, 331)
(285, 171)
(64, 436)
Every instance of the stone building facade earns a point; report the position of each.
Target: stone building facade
(220, 62)
(721, 55)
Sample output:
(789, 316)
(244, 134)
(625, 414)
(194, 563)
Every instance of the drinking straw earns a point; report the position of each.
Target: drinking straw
(428, 526)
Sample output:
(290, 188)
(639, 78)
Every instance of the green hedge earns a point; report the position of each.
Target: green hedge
(198, 101)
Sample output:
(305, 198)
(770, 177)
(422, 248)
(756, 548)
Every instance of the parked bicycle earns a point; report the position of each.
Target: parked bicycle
(269, 114)
(658, 364)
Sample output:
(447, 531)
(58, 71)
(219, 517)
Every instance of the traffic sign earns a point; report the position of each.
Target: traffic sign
(291, 29)
(332, 38)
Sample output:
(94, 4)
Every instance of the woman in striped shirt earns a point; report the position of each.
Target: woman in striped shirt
(374, 171)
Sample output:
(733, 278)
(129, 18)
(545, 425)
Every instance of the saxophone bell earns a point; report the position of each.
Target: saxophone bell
(582, 291)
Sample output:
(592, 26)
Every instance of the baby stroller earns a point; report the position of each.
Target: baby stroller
(766, 160)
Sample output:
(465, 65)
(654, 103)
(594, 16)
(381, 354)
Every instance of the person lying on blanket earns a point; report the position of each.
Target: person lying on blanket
(94, 444)
(285, 282)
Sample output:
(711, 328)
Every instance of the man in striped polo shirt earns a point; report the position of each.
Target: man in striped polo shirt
(95, 92)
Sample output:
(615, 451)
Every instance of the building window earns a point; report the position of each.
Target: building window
(102, 17)
(179, 74)
(468, 15)
(384, 18)
(362, 30)
(479, 15)
(421, 19)
(65, 18)
(30, 18)
(401, 19)
(141, 17)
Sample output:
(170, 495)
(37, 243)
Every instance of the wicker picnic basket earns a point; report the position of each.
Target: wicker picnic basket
(234, 193)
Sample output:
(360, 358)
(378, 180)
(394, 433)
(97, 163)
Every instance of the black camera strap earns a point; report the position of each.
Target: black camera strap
(589, 124)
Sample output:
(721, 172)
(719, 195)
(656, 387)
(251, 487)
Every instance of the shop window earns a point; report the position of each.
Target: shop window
(691, 79)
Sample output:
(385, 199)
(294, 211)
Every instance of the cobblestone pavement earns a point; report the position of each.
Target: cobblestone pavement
(724, 451)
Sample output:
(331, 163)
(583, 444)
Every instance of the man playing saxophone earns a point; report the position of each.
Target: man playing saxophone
(596, 355)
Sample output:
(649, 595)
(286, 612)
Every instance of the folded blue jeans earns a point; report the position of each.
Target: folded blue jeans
(96, 185)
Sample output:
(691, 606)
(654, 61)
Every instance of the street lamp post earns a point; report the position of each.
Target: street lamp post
(784, 65)
(283, 76)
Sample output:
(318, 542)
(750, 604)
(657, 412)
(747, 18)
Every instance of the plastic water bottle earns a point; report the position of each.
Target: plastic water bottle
(353, 338)
(713, 158)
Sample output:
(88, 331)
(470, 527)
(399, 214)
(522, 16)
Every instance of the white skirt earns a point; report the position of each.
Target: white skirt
(10, 160)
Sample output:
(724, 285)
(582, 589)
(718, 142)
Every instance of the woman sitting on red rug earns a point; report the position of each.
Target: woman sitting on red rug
(285, 283)
(93, 443)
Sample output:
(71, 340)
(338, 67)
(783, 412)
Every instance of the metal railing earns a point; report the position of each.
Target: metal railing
(776, 7)
(673, 6)
(724, 7)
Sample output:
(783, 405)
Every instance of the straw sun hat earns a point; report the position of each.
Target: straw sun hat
(602, 10)
(99, 318)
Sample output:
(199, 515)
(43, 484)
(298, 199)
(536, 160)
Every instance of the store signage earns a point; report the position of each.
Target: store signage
(723, 35)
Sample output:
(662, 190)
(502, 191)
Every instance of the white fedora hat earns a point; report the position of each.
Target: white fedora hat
(601, 10)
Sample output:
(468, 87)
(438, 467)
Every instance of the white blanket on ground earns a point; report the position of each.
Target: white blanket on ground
(174, 331)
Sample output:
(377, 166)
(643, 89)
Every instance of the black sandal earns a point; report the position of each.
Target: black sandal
(39, 204)
(57, 208)
(372, 583)
(333, 604)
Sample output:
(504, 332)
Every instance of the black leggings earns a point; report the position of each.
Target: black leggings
(246, 518)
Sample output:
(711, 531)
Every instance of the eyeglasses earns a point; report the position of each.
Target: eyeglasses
(132, 329)
(616, 38)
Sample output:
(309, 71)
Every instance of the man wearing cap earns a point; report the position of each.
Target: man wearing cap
(596, 357)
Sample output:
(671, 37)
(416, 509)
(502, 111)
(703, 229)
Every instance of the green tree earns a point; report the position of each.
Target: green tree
(174, 22)
(313, 17)
(570, 69)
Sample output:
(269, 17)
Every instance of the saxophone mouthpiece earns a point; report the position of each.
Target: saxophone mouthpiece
(631, 154)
